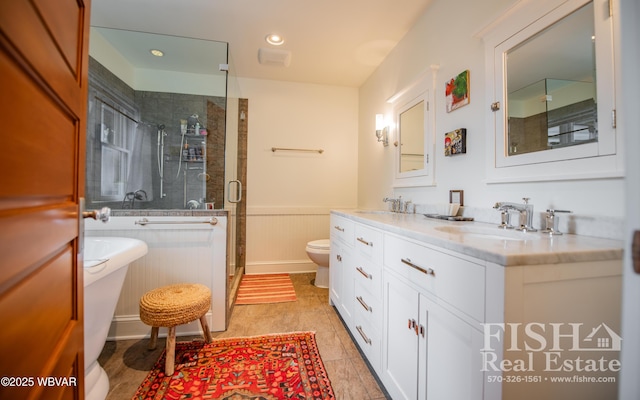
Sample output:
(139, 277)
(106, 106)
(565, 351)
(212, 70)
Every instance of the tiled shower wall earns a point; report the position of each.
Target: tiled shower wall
(153, 109)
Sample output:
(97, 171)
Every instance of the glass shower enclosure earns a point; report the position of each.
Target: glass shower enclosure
(162, 132)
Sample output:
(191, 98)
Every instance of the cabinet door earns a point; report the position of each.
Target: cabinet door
(341, 281)
(335, 273)
(400, 345)
(452, 358)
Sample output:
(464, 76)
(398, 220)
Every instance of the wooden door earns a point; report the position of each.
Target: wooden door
(43, 89)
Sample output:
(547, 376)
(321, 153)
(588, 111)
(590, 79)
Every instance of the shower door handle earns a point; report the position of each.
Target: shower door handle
(238, 191)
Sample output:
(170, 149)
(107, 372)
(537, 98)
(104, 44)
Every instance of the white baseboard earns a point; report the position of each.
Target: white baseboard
(130, 327)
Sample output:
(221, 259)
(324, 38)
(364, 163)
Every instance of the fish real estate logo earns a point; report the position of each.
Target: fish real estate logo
(550, 348)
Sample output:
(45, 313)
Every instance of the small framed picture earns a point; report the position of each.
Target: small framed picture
(455, 142)
(456, 196)
(457, 91)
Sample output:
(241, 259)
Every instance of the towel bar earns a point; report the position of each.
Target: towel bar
(144, 221)
(274, 149)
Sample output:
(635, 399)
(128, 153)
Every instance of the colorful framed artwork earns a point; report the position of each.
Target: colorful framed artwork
(457, 91)
(455, 142)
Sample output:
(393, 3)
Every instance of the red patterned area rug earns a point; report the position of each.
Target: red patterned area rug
(271, 367)
(271, 288)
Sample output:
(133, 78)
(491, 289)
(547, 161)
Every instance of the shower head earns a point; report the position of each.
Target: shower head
(161, 127)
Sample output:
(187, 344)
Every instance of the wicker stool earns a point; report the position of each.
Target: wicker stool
(173, 305)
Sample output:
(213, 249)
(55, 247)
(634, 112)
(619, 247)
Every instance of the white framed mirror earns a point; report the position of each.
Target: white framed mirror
(413, 138)
(411, 129)
(550, 65)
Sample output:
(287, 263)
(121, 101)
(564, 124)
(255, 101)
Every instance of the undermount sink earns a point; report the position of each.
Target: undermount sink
(488, 233)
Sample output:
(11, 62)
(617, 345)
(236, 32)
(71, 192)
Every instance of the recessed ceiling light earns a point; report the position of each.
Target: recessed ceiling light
(274, 39)
(156, 52)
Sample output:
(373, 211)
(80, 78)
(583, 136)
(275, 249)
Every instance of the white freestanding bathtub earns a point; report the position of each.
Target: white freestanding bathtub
(106, 260)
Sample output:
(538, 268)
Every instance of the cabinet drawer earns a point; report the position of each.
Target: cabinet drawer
(368, 275)
(368, 306)
(342, 229)
(368, 243)
(368, 339)
(458, 282)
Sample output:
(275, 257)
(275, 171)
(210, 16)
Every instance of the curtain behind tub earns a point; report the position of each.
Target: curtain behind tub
(140, 174)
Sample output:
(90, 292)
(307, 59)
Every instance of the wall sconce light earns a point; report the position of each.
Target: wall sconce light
(382, 130)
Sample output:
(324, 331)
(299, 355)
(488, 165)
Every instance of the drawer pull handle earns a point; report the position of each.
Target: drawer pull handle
(423, 330)
(361, 332)
(339, 257)
(337, 227)
(427, 271)
(361, 240)
(363, 304)
(363, 273)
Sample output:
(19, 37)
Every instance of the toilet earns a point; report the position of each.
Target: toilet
(318, 251)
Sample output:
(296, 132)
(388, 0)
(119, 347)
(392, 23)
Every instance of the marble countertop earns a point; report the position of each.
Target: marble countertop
(490, 243)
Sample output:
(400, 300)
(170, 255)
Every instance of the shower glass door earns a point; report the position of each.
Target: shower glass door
(235, 177)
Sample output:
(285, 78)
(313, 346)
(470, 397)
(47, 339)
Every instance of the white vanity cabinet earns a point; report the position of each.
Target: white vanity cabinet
(432, 335)
(341, 264)
(465, 317)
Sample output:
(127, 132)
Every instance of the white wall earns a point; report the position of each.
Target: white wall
(290, 194)
(444, 36)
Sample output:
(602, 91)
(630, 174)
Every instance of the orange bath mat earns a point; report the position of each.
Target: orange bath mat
(260, 289)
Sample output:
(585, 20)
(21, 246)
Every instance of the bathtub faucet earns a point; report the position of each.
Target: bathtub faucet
(131, 197)
(193, 204)
(140, 195)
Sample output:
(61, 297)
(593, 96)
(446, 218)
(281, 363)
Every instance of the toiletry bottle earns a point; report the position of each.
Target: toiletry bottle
(185, 152)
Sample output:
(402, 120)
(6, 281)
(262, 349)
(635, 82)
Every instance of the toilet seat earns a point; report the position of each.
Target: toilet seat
(322, 244)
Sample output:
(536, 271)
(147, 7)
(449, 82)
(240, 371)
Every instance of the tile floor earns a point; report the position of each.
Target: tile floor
(127, 362)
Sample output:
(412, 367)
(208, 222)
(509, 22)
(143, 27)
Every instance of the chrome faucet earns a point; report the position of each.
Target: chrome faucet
(525, 212)
(398, 205)
(395, 203)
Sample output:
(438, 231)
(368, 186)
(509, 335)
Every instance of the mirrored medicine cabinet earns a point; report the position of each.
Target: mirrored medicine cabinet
(413, 139)
(552, 107)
